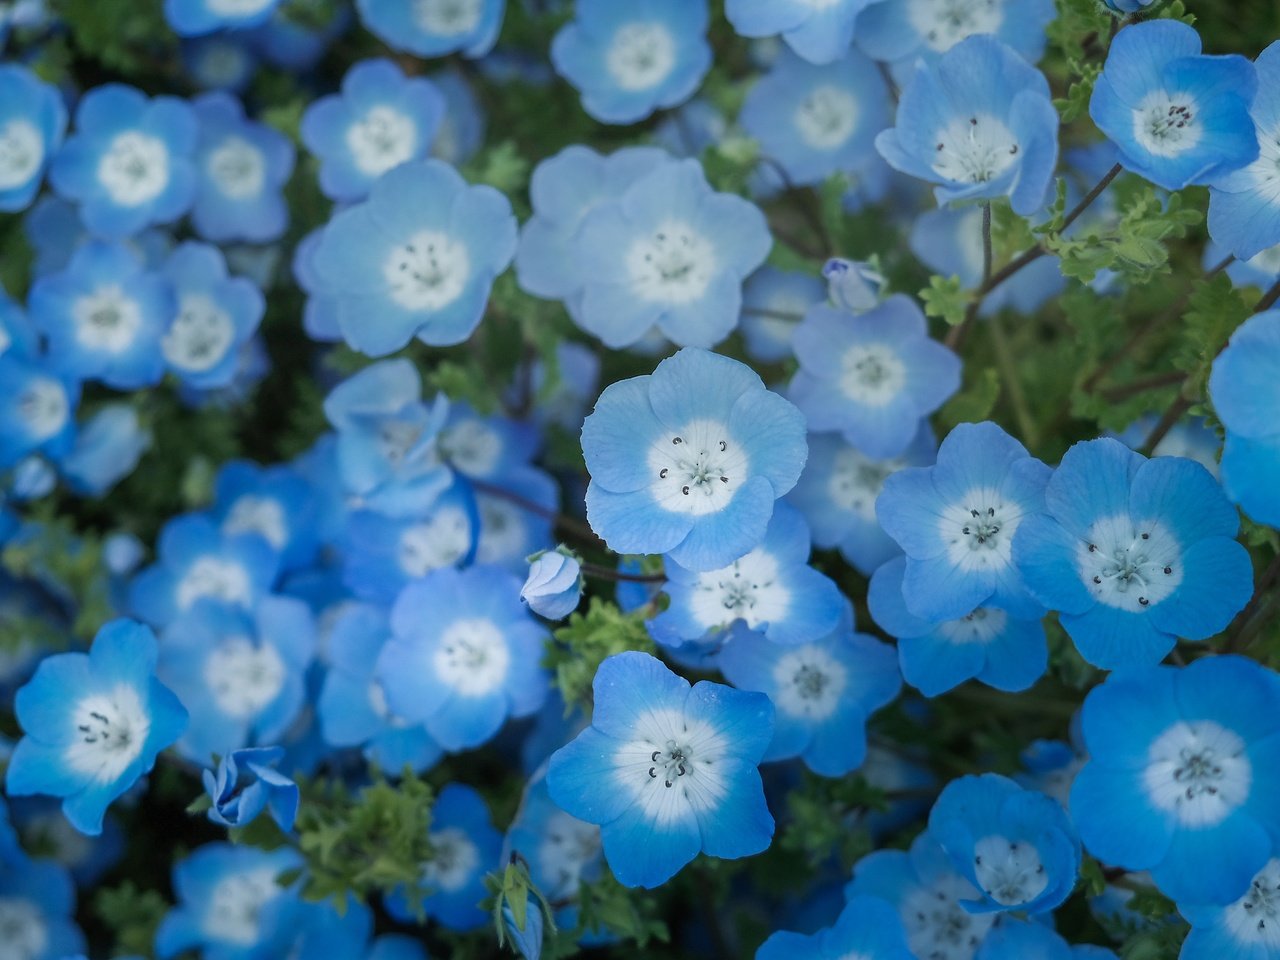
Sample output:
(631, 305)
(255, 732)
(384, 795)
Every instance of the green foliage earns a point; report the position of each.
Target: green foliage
(946, 298)
(586, 640)
(132, 915)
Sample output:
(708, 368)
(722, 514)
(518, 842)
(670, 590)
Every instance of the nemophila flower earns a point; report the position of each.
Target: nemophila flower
(822, 691)
(773, 301)
(1017, 846)
(628, 60)
(554, 585)
(671, 253)
(417, 258)
(465, 847)
(874, 376)
(666, 771)
(104, 317)
(813, 121)
(1176, 116)
(353, 708)
(230, 905)
(989, 644)
(37, 904)
(689, 460)
(93, 723)
(1246, 928)
(129, 162)
(868, 928)
(1134, 553)
(1181, 775)
(106, 450)
(837, 494)
(771, 590)
(1018, 940)
(236, 804)
(434, 28)
(464, 655)
(1243, 388)
(197, 561)
(32, 123)
(956, 521)
(193, 18)
(380, 120)
(276, 503)
(516, 519)
(980, 124)
(37, 408)
(820, 32)
(903, 30)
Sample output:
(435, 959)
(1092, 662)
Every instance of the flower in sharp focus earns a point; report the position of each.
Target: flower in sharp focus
(235, 805)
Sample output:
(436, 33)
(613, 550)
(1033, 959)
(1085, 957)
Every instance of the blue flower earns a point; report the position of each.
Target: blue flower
(628, 60)
(104, 317)
(813, 121)
(874, 376)
(667, 771)
(956, 521)
(902, 30)
(554, 586)
(669, 252)
(107, 449)
(1182, 777)
(417, 258)
(38, 904)
(276, 503)
(868, 928)
(193, 18)
(773, 301)
(1176, 116)
(32, 123)
(1017, 846)
(434, 28)
(235, 805)
(463, 656)
(1245, 928)
(1033, 941)
(93, 723)
(980, 124)
(1243, 387)
(989, 644)
(129, 163)
(771, 591)
(1134, 553)
(380, 120)
(819, 32)
(689, 461)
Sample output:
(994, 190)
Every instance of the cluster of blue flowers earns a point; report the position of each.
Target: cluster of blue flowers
(578, 483)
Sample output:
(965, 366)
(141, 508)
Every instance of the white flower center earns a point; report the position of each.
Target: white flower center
(938, 928)
(453, 862)
(982, 626)
(447, 18)
(856, 481)
(261, 515)
(237, 168)
(568, 846)
(440, 541)
(979, 529)
(236, 905)
(472, 657)
(747, 589)
(110, 731)
(107, 319)
(427, 272)
(383, 138)
(698, 470)
(974, 150)
(873, 374)
(21, 153)
(826, 117)
(242, 677)
(674, 265)
(44, 408)
(216, 578)
(1009, 871)
(23, 932)
(810, 683)
(1165, 124)
(1129, 566)
(1254, 919)
(135, 168)
(944, 23)
(472, 446)
(200, 335)
(1198, 771)
(641, 55)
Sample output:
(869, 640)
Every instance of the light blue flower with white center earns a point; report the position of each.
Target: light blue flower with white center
(868, 928)
(230, 905)
(689, 461)
(874, 376)
(380, 120)
(107, 449)
(1134, 553)
(669, 252)
(418, 258)
(1243, 387)
(838, 490)
(197, 561)
(37, 906)
(464, 655)
(773, 302)
(956, 521)
(275, 502)
(666, 771)
(353, 708)
(980, 124)
(1248, 928)
(904, 30)
(813, 121)
(1183, 776)
(1018, 847)
(33, 120)
(1028, 940)
(194, 18)
(989, 644)
(1190, 437)
(93, 723)
(1178, 117)
(554, 586)
(771, 591)
(128, 165)
(104, 317)
(516, 519)
(235, 805)
(628, 60)
(37, 409)
(434, 28)
(820, 31)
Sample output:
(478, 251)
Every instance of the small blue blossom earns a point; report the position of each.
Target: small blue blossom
(903, 30)
(434, 28)
(1033, 941)
(193, 18)
(107, 449)
(773, 303)
(1178, 117)
(1134, 553)
(235, 805)
(980, 124)
(689, 461)
(628, 60)
(1245, 928)
(666, 771)
(32, 123)
(554, 586)
(93, 723)
(868, 928)
(819, 32)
